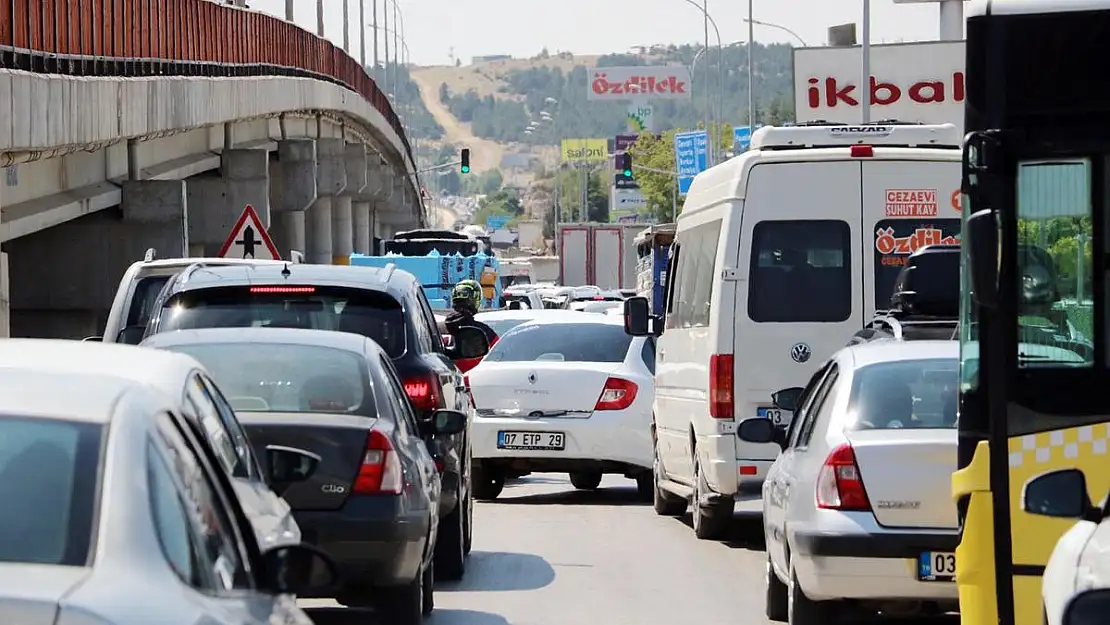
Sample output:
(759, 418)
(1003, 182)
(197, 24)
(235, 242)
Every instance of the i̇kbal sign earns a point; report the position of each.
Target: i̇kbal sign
(914, 82)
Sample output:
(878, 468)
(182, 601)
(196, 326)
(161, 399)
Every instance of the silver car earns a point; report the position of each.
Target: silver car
(118, 513)
(197, 398)
(857, 509)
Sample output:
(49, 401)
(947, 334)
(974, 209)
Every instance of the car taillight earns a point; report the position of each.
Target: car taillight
(720, 386)
(839, 485)
(617, 394)
(380, 471)
(283, 289)
(423, 392)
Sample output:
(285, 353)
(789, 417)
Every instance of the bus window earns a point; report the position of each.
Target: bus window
(1054, 264)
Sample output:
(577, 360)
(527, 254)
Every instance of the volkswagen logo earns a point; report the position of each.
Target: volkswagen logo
(800, 352)
(532, 378)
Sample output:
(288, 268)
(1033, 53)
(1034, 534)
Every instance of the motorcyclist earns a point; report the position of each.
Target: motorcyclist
(466, 298)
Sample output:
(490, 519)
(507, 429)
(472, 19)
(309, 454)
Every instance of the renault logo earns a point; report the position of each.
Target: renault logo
(336, 489)
(800, 352)
(532, 378)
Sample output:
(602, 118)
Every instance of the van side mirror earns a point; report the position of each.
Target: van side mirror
(93, 338)
(1089, 606)
(760, 430)
(131, 335)
(638, 320)
(787, 398)
(448, 421)
(1060, 494)
(470, 342)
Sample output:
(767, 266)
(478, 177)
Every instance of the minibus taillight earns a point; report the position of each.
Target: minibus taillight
(720, 386)
(861, 151)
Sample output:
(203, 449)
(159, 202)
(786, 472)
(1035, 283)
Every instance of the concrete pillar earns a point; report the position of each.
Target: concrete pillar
(292, 191)
(363, 222)
(54, 297)
(219, 200)
(342, 234)
(342, 230)
(5, 298)
(331, 180)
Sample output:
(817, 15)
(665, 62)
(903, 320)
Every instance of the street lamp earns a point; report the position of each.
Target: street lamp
(709, 21)
(778, 27)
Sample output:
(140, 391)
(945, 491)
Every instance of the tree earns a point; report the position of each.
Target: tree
(444, 93)
(568, 190)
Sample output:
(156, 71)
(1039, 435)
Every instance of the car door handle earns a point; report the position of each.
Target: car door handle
(661, 354)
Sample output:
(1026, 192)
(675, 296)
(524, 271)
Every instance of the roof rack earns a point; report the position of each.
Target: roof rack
(925, 304)
(887, 133)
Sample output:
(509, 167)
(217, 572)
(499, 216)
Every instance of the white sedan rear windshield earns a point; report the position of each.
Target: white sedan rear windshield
(48, 483)
(570, 342)
(909, 394)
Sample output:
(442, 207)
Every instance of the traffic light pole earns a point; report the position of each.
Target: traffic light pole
(438, 167)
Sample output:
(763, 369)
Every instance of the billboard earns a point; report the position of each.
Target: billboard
(585, 150)
(611, 84)
(914, 82)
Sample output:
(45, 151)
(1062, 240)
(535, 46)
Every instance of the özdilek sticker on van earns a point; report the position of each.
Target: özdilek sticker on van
(897, 239)
(911, 203)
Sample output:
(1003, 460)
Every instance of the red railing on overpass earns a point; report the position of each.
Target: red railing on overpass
(135, 38)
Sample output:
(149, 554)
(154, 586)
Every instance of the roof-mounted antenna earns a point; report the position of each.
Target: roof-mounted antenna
(285, 271)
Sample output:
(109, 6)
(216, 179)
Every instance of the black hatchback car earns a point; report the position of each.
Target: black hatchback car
(385, 304)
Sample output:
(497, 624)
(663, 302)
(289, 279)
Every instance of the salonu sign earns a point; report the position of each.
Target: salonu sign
(918, 82)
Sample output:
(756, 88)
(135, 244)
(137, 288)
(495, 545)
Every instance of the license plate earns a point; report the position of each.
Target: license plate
(777, 416)
(936, 566)
(532, 441)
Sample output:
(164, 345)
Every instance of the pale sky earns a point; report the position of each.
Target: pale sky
(523, 27)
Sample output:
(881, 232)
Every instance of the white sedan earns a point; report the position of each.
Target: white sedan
(573, 394)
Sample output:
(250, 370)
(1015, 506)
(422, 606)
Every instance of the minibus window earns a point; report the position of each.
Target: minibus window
(801, 271)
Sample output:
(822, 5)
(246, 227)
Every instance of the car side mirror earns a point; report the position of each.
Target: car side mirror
(131, 335)
(787, 398)
(92, 338)
(1060, 494)
(448, 341)
(470, 342)
(289, 465)
(300, 569)
(637, 316)
(448, 421)
(760, 430)
(1089, 606)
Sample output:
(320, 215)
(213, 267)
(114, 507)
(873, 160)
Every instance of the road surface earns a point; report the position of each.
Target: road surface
(545, 554)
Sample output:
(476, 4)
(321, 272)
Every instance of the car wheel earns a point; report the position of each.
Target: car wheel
(428, 588)
(801, 610)
(776, 604)
(645, 486)
(586, 480)
(487, 486)
(404, 605)
(665, 504)
(468, 543)
(450, 555)
(710, 522)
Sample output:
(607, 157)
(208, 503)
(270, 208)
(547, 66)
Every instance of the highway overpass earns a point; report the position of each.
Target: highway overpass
(135, 124)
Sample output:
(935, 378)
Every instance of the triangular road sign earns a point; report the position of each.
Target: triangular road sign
(249, 239)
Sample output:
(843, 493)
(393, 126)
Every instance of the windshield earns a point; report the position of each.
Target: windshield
(48, 483)
(909, 394)
(372, 314)
(571, 342)
(258, 377)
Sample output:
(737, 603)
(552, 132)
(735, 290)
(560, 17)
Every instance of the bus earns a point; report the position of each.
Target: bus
(653, 250)
(1033, 339)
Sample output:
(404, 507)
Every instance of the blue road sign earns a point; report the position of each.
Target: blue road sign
(741, 138)
(497, 222)
(691, 153)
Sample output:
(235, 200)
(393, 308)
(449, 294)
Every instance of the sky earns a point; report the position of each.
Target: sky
(522, 28)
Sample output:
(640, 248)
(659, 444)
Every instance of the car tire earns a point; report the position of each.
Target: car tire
(645, 487)
(801, 610)
(487, 485)
(777, 602)
(404, 605)
(428, 588)
(586, 480)
(450, 553)
(710, 522)
(469, 540)
(665, 504)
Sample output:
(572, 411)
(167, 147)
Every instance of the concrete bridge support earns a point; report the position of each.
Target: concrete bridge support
(331, 180)
(54, 296)
(292, 192)
(217, 199)
(342, 217)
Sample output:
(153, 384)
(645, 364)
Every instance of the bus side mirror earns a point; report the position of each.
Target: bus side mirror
(1059, 494)
(981, 245)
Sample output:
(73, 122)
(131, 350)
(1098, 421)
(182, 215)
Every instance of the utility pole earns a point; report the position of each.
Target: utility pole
(346, 26)
(362, 33)
(374, 28)
(289, 11)
(385, 27)
(751, 73)
(708, 112)
(865, 65)
(319, 18)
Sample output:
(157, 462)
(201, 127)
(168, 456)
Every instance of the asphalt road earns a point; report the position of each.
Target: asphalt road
(546, 554)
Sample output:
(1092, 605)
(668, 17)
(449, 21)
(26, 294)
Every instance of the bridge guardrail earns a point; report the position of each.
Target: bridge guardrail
(150, 38)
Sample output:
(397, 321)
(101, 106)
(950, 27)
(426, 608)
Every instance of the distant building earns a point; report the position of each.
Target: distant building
(490, 57)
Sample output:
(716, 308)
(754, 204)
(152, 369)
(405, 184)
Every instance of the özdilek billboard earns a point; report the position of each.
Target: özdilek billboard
(914, 82)
(613, 84)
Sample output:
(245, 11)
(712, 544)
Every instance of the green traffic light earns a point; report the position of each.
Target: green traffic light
(628, 173)
(466, 169)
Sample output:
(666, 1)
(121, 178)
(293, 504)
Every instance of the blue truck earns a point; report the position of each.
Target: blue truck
(653, 252)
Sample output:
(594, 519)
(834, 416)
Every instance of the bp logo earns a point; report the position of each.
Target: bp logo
(800, 352)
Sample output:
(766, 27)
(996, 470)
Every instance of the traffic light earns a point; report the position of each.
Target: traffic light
(464, 166)
(624, 164)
